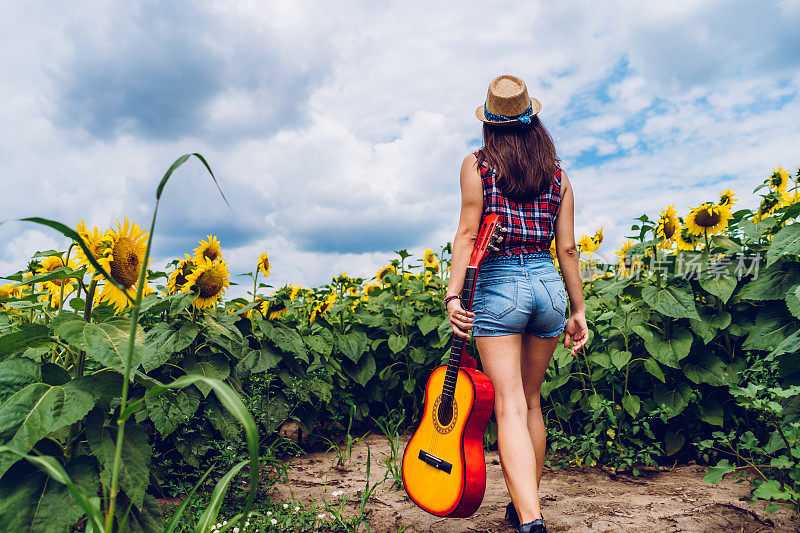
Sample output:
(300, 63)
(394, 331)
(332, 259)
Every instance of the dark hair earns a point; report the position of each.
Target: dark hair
(524, 157)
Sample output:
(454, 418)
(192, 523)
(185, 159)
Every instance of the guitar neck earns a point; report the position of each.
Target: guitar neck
(458, 353)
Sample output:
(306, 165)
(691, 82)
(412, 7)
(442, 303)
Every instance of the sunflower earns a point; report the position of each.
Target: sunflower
(598, 238)
(685, 239)
(296, 288)
(727, 197)
(369, 288)
(263, 264)
(586, 244)
(211, 278)
(789, 198)
(208, 249)
(323, 306)
(101, 245)
(127, 244)
(271, 311)
(769, 204)
(778, 180)
(178, 278)
(667, 227)
(627, 266)
(354, 291)
(430, 260)
(9, 291)
(708, 218)
(385, 270)
(53, 286)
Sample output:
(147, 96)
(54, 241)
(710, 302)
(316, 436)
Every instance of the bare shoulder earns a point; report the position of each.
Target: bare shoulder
(469, 169)
(565, 184)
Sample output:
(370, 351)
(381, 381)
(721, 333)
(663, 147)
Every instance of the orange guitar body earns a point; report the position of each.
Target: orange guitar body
(459, 444)
(444, 471)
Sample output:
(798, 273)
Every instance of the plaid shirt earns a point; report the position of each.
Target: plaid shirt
(531, 225)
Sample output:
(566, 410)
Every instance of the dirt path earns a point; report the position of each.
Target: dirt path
(572, 499)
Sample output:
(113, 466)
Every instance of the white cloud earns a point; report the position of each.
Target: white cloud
(337, 130)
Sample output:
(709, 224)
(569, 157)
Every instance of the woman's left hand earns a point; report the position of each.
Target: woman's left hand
(577, 331)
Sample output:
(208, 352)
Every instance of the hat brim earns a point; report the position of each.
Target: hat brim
(482, 117)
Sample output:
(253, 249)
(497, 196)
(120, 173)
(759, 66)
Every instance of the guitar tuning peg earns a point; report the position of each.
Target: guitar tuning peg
(493, 248)
(499, 238)
(501, 228)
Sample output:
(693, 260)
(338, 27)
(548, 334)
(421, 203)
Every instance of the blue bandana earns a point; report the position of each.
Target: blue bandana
(524, 117)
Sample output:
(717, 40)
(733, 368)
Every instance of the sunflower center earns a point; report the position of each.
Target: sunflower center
(669, 229)
(210, 283)
(211, 253)
(125, 262)
(705, 219)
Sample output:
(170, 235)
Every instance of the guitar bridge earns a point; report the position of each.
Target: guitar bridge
(435, 462)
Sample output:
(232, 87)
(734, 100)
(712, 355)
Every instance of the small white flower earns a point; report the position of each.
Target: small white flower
(224, 522)
(273, 521)
(236, 530)
(285, 505)
(321, 516)
(337, 493)
(296, 508)
(269, 513)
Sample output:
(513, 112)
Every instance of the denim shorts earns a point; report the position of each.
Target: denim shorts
(519, 293)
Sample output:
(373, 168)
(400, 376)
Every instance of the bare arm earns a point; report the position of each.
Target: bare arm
(464, 241)
(567, 253)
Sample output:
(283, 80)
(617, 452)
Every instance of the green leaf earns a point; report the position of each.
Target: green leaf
(772, 283)
(362, 371)
(161, 341)
(29, 335)
(632, 404)
(214, 366)
(134, 472)
(209, 516)
(709, 369)
(37, 410)
(170, 409)
(51, 498)
(223, 421)
(285, 338)
(651, 366)
(771, 490)
(352, 344)
(620, 358)
(710, 323)
(16, 374)
(721, 287)
(771, 328)
(319, 344)
(790, 344)
(793, 301)
(712, 412)
(428, 323)
(260, 360)
(397, 343)
(669, 351)
(676, 300)
(418, 355)
(673, 442)
(714, 474)
(785, 242)
(674, 397)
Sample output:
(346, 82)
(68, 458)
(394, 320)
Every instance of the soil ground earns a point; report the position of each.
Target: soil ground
(573, 499)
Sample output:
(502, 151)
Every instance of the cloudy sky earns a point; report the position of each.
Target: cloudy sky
(337, 129)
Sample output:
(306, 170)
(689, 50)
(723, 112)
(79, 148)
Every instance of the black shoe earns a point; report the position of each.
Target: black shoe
(511, 515)
(537, 526)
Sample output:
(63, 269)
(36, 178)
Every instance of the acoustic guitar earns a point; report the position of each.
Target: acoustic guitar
(444, 471)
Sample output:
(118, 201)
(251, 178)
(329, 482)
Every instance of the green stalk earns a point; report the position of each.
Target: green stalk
(126, 381)
(255, 281)
(64, 279)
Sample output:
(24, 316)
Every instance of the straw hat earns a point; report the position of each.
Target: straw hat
(507, 102)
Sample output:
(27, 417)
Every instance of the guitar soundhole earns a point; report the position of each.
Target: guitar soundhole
(445, 414)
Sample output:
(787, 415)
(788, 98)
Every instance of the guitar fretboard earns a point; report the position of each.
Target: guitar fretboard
(458, 344)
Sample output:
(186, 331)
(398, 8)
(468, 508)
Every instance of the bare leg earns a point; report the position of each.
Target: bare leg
(536, 354)
(501, 357)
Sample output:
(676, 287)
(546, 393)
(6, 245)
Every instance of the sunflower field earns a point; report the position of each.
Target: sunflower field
(121, 385)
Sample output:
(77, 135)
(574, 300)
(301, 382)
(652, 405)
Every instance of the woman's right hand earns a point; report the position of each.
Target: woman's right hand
(577, 331)
(460, 319)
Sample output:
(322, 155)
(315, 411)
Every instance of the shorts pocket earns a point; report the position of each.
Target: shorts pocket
(554, 286)
(498, 296)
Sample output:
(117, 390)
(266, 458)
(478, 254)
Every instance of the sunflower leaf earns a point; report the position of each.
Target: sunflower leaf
(785, 242)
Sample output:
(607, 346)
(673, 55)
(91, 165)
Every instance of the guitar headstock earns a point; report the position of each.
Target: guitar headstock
(489, 236)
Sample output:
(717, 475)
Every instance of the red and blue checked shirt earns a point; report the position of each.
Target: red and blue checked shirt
(531, 225)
